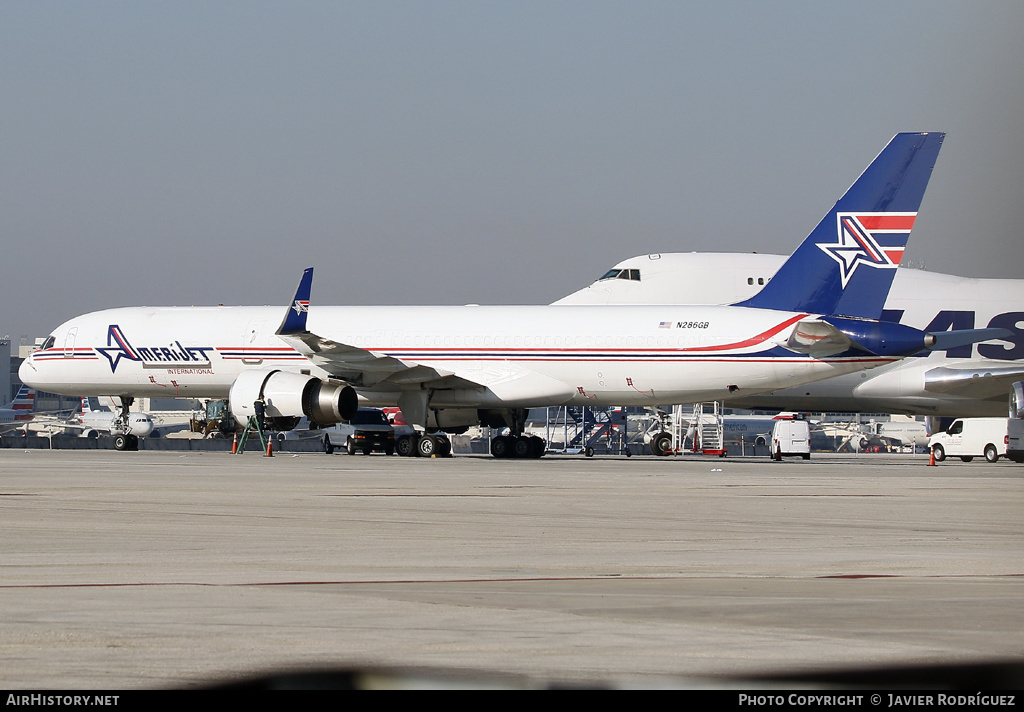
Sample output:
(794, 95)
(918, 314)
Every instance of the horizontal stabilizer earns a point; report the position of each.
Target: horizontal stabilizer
(833, 335)
(951, 339)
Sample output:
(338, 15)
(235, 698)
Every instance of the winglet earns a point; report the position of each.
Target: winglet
(846, 265)
(295, 319)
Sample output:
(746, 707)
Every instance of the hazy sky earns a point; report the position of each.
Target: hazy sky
(491, 152)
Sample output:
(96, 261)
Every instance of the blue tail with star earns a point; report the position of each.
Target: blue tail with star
(845, 267)
(295, 319)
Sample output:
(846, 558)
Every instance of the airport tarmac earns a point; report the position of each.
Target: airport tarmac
(141, 570)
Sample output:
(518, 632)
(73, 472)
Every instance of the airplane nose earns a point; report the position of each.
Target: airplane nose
(142, 428)
(28, 373)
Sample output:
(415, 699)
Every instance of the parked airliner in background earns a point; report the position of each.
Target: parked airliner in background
(21, 408)
(449, 367)
(93, 420)
(962, 381)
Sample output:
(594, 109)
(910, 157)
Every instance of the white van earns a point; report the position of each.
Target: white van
(791, 437)
(968, 438)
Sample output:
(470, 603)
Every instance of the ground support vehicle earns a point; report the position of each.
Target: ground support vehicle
(990, 438)
(368, 431)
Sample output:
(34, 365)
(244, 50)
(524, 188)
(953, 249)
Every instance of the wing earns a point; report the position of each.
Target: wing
(362, 367)
(354, 365)
(975, 378)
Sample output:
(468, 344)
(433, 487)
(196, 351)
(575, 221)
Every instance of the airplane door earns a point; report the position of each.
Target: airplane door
(69, 342)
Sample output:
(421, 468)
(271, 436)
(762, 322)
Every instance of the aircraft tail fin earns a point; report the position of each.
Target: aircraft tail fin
(24, 403)
(845, 267)
(295, 320)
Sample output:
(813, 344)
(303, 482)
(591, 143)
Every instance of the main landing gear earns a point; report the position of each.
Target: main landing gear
(518, 446)
(424, 445)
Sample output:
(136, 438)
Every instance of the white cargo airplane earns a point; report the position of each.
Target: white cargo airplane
(447, 367)
(962, 381)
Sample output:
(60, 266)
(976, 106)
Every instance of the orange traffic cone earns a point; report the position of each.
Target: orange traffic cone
(931, 458)
(234, 444)
(270, 448)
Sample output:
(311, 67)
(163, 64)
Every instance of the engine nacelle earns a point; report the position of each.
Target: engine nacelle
(289, 396)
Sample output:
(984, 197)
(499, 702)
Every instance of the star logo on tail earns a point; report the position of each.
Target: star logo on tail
(873, 239)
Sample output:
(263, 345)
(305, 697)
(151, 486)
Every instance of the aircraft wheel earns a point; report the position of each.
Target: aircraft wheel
(661, 444)
(427, 446)
(537, 447)
(939, 452)
(991, 454)
(444, 445)
(522, 447)
(121, 442)
(405, 446)
(501, 446)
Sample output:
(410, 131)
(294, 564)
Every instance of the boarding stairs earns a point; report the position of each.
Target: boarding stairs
(708, 429)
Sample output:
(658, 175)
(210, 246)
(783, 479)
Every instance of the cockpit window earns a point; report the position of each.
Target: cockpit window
(47, 344)
(630, 274)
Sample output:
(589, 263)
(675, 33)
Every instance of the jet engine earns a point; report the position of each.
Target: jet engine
(288, 396)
